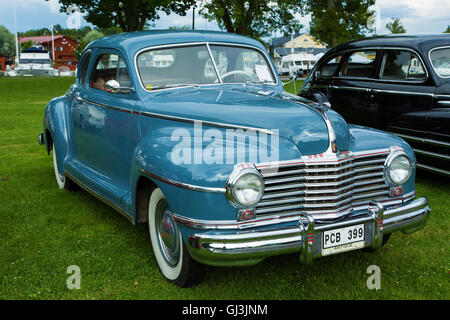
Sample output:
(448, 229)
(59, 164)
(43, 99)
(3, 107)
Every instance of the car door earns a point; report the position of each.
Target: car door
(350, 89)
(319, 81)
(402, 85)
(104, 127)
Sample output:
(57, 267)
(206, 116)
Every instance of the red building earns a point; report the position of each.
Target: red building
(64, 49)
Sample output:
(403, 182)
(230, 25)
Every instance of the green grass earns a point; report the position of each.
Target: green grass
(43, 230)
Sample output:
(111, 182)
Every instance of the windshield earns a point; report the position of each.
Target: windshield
(440, 59)
(193, 65)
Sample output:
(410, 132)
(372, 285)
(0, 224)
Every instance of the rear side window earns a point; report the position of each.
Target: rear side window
(109, 67)
(360, 64)
(402, 65)
(83, 68)
(440, 59)
(329, 67)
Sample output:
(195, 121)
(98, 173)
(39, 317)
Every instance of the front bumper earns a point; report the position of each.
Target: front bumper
(250, 247)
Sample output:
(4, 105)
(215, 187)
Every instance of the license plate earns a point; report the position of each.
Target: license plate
(343, 239)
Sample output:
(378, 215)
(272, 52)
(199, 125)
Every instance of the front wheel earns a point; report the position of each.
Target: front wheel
(172, 257)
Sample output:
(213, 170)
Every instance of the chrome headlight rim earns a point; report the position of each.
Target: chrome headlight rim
(239, 171)
(397, 152)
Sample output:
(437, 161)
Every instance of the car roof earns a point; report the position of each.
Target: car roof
(132, 42)
(416, 41)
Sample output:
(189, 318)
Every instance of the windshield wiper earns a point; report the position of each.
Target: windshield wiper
(165, 86)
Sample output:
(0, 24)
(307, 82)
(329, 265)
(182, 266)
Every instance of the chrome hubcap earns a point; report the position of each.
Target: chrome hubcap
(167, 232)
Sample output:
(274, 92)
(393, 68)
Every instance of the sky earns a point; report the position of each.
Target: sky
(417, 16)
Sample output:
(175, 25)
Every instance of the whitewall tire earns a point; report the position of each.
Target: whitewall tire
(61, 180)
(170, 252)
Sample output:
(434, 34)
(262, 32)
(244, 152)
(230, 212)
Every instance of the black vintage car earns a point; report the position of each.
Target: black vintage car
(398, 83)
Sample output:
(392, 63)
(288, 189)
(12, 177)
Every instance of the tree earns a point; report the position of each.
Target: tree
(88, 38)
(131, 15)
(8, 46)
(253, 18)
(447, 30)
(395, 26)
(337, 21)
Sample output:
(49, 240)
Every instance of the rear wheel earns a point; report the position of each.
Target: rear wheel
(172, 257)
(61, 179)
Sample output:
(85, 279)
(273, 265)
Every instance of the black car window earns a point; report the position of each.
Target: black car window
(402, 65)
(328, 67)
(109, 67)
(360, 64)
(440, 59)
(83, 67)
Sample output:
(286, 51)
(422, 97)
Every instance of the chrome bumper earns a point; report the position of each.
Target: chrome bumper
(250, 247)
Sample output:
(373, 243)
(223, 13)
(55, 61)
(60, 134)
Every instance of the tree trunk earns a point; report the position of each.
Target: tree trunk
(331, 6)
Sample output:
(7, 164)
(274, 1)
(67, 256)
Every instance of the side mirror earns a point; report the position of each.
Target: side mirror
(112, 86)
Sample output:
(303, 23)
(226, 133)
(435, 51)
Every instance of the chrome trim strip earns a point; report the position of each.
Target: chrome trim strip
(99, 197)
(403, 92)
(182, 184)
(175, 118)
(445, 103)
(431, 61)
(339, 158)
(351, 88)
(207, 123)
(433, 169)
(432, 154)
(423, 140)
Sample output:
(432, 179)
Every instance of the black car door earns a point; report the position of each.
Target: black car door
(350, 89)
(402, 85)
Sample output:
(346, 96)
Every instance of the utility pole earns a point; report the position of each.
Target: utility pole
(15, 33)
(193, 17)
(53, 46)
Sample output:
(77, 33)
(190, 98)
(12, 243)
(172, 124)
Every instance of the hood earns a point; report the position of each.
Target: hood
(293, 117)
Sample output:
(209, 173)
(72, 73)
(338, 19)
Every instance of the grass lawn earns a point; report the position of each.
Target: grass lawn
(43, 230)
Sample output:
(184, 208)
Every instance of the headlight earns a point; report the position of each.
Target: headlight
(398, 168)
(245, 187)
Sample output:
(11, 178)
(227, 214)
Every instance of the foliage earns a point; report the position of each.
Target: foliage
(447, 30)
(395, 26)
(336, 21)
(131, 15)
(26, 45)
(253, 18)
(8, 47)
(88, 38)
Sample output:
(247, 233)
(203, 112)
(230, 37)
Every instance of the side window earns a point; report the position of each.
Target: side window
(360, 64)
(83, 68)
(329, 67)
(402, 65)
(109, 67)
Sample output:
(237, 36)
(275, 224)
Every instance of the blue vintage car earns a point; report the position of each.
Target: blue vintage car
(193, 133)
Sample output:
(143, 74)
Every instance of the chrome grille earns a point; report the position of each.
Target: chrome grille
(323, 187)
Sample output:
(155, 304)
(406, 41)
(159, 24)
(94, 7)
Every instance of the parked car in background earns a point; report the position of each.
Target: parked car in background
(224, 166)
(399, 83)
(299, 63)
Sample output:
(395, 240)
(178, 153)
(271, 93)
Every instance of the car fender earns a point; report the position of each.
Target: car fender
(200, 181)
(55, 121)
